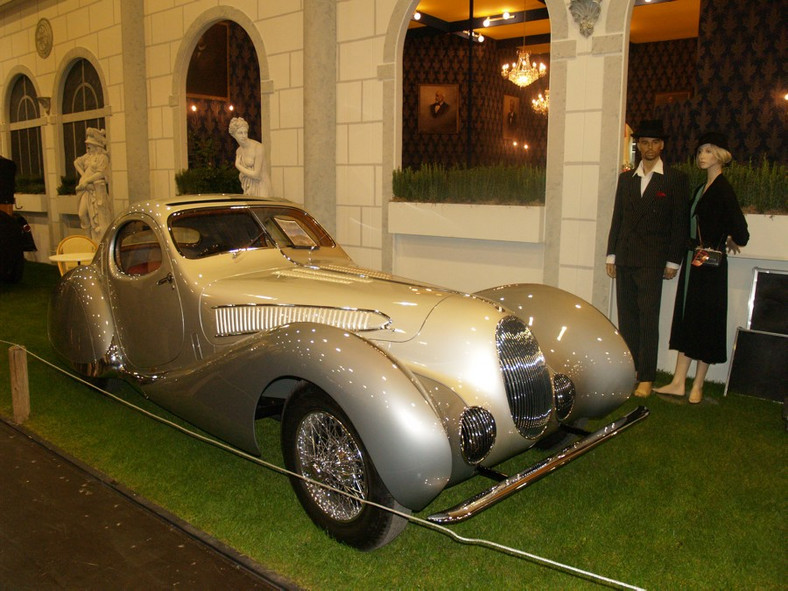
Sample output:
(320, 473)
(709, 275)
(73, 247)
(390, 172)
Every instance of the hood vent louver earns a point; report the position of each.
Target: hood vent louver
(251, 318)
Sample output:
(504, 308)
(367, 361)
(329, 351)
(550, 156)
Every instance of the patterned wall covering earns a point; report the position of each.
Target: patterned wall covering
(660, 71)
(734, 72)
(742, 66)
(443, 59)
(207, 127)
(737, 80)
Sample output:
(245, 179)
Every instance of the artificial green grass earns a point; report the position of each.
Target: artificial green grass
(691, 498)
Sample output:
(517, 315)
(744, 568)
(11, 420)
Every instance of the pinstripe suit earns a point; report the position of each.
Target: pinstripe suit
(646, 233)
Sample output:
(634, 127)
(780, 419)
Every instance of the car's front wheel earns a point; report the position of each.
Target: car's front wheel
(320, 443)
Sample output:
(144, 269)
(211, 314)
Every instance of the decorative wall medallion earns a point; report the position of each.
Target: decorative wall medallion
(43, 38)
(585, 13)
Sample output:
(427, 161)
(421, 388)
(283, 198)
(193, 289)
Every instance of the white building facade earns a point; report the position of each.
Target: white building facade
(330, 92)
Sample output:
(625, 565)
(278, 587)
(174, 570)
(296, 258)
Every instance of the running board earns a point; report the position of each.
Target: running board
(502, 490)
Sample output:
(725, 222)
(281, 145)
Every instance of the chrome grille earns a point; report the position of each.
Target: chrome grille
(477, 434)
(527, 381)
(250, 318)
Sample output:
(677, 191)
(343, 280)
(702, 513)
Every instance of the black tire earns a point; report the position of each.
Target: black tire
(320, 443)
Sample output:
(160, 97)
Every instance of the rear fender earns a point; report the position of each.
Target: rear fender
(389, 408)
(79, 321)
(577, 340)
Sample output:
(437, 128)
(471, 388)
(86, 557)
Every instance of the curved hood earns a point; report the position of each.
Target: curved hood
(382, 306)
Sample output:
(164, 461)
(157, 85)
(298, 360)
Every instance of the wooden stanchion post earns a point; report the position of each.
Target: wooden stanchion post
(20, 388)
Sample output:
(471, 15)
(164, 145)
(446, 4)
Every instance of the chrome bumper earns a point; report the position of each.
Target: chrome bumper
(506, 488)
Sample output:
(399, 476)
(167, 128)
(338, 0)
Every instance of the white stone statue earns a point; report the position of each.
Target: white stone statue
(95, 210)
(250, 160)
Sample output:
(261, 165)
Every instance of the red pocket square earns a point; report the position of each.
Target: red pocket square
(660, 194)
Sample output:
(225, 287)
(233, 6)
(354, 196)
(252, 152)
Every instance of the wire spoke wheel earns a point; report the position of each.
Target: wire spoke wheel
(327, 453)
(321, 444)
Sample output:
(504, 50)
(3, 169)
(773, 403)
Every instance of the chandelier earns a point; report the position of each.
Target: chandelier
(523, 72)
(541, 104)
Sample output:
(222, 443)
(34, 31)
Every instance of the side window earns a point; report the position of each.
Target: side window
(137, 250)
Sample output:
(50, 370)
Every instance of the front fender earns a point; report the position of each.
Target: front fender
(577, 340)
(386, 403)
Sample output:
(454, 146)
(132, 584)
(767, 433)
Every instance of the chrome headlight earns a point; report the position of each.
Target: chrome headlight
(477, 434)
(564, 395)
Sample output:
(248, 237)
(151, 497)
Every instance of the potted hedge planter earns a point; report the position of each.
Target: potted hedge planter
(505, 223)
(498, 203)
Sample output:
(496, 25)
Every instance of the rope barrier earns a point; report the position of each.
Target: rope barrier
(508, 550)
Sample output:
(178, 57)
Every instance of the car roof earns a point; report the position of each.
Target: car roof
(229, 199)
(167, 206)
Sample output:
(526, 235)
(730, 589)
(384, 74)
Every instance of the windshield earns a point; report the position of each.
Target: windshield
(204, 232)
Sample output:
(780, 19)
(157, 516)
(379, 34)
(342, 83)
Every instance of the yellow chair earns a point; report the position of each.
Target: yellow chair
(76, 244)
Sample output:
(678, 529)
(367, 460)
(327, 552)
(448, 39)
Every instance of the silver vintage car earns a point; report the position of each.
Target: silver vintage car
(228, 310)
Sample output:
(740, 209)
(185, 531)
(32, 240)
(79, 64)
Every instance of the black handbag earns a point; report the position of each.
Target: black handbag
(705, 256)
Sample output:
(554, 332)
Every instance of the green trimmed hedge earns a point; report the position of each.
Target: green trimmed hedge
(30, 185)
(208, 179)
(760, 188)
(68, 185)
(499, 185)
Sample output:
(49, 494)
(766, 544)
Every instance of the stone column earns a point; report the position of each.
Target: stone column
(320, 100)
(587, 106)
(135, 99)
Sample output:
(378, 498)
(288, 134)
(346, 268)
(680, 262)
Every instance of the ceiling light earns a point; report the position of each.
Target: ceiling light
(494, 19)
(523, 72)
(541, 104)
(476, 37)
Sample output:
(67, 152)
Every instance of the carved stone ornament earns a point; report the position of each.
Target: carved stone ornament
(585, 13)
(43, 38)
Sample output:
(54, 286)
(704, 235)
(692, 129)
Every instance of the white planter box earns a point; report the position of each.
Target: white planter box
(26, 202)
(768, 237)
(499, 223)
(67, 204)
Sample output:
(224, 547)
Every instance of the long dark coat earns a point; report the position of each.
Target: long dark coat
(699, 328)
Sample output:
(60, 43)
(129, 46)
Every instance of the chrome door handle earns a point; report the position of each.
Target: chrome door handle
(168, 278)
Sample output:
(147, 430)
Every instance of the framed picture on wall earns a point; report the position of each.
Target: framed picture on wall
(510, 116)
(439, 108)
(669, 98)
(207, 76)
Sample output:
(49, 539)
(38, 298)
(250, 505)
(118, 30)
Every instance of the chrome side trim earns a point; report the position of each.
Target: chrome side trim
(502, 490)
(234, 320)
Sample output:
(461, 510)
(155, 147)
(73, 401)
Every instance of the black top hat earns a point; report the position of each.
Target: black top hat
(650, 128)
(715, 138)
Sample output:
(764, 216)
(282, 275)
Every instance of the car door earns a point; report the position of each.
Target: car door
(144, 294)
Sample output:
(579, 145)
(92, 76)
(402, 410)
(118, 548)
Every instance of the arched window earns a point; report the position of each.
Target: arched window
(215, 97)
(83, 107)
(25, 124)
